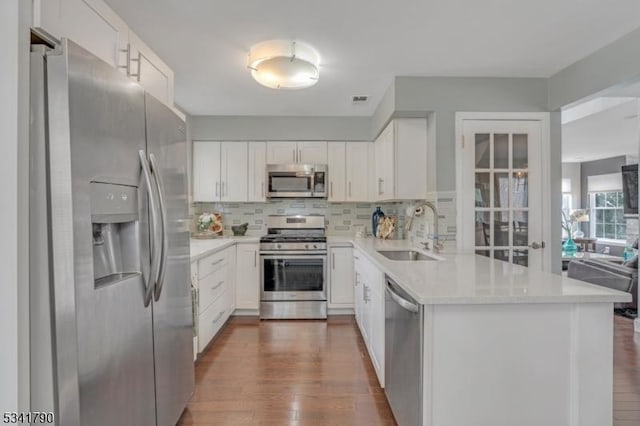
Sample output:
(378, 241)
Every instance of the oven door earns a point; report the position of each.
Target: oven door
(293, 277)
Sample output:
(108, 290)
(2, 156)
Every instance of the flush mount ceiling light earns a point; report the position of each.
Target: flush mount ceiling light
(284, 64)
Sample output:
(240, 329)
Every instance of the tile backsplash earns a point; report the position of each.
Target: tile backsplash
(422, 227)
(341, 218)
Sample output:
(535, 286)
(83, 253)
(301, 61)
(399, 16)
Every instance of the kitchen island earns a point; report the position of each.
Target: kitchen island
(501, 345)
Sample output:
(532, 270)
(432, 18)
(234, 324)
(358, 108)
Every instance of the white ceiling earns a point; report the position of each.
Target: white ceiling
(364, 44)
(606, 133)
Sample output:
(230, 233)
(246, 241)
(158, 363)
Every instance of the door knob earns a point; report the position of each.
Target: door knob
(536, 245)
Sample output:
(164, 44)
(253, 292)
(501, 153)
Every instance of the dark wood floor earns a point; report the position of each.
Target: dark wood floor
(626, 373)
(287, 373)
(319, 373)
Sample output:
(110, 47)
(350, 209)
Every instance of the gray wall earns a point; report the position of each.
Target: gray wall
(614, 64)
(594, 168)
(264, 128)
(571, 171)
(444, 96)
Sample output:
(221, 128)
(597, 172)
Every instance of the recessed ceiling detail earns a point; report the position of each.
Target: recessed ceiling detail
(284, 64)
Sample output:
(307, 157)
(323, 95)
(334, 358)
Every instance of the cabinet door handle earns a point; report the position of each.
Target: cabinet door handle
(217, 285)
(365, 293)
(294, 156)
(127, 61)
(217, 318)
(333, 261)
(300, 156)
(138, 75)
(217, 262)
(217, 188)
(331, 188)
(261, 189)
(349, 189)
(255, 259)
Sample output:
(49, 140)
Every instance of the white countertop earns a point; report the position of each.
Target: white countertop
(472, 279)
(202, 248)
(456, 278)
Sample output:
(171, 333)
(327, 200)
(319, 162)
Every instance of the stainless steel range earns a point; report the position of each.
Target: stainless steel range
(293, 257)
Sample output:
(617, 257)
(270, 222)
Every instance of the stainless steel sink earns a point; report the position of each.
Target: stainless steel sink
(406, 255)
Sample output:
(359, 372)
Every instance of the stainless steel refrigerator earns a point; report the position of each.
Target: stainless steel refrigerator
(111, 313)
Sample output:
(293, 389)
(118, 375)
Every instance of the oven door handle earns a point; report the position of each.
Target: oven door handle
(292, 254)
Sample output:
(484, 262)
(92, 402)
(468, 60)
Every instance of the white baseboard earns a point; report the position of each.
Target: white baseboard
(636, 325)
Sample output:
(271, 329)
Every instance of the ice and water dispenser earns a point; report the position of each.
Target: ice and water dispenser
(115, 222)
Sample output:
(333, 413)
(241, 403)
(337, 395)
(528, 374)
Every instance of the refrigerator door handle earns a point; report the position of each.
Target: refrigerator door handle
(155, 251)
(155, 169)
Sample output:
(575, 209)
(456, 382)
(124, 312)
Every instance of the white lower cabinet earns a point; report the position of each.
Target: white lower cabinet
(369, 308)
(341, 291)
(247, 285)
(216, 293)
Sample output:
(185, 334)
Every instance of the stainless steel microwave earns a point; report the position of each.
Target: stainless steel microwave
(296, 181)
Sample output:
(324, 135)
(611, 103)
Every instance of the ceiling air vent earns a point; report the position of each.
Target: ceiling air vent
(359, 99)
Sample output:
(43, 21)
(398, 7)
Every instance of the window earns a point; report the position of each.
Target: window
(607, 217)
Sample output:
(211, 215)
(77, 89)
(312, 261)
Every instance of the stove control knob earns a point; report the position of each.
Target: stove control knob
(278, 245)
(315, 246)
(306, 246)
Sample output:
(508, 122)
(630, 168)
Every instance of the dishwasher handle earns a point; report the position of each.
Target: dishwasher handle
(404, 303)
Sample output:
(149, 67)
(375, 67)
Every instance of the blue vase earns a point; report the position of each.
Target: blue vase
(569, 247)
(375, 218)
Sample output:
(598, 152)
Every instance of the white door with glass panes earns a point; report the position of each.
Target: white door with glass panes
(501, 190)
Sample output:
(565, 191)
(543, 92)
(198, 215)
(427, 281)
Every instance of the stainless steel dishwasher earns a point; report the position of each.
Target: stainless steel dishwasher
(403, 355)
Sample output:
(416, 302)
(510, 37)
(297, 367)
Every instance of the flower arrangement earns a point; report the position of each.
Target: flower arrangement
(574, 217)
(210, 223)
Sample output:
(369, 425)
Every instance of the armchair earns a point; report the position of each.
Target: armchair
(623, 277)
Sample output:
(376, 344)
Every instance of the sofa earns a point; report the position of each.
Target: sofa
(623, 277)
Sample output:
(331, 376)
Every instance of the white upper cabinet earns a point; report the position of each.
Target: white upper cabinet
(357, 172)
(219, 171)
(348, 171)
(233, 170)
(401, 160)
(257, 171)
(149, 70)
(312, 152)
(206, 171)
(296, 152)
(282, 152)
(90, 23)
(336, 171)
(96, 27)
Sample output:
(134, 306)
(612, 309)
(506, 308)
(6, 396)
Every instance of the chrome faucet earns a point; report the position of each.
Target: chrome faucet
(437, 245)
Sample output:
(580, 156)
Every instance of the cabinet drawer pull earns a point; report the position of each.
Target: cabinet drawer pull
(255, 259)
(217, 318)
(217, 262)
(349, 189)
(217, 285)
(261, 189)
